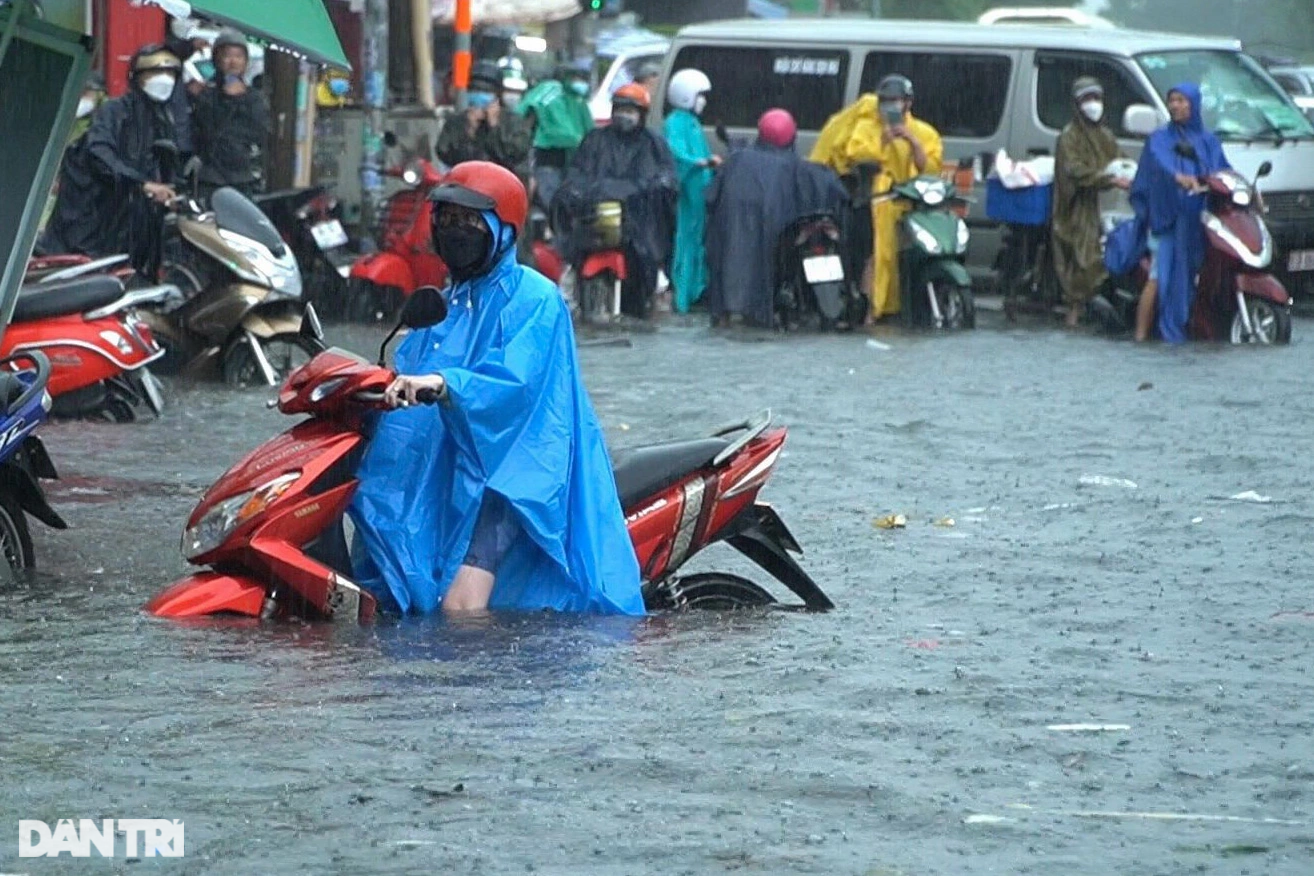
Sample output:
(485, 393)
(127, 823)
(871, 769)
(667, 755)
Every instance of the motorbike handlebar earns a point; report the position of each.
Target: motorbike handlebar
(424, 397)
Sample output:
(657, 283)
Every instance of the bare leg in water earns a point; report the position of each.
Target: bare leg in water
(469, 592)
(1145, 310)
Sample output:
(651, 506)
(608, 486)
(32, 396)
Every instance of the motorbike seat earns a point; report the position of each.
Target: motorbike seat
(642, 471)
(77, 295)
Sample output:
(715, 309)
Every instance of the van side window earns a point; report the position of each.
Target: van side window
(747, 82)
(960, 95)
(1056, 71)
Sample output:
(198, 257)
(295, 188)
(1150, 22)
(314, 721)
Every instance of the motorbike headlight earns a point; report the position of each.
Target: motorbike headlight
(326, 389)
(276, 272)
(926, 239)
(118, 341)
(221, 520)
(964, 237)
(411, 175)
(1241, 198)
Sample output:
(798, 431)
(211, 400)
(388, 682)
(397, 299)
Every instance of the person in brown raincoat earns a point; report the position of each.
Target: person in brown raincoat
(1085, 149)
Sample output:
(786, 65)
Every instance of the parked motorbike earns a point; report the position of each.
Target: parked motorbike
(310, 222)
(1237, 298)
(810, 265)
(57, 268)
(935, 287)
(593, 285)
(24, 462)
(406, 260)
(242, 289)
(270, 530)
(97, 345)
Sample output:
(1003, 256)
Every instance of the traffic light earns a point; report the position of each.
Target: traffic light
(592, 5)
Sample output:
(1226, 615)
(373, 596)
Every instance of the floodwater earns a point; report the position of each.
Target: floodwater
(1097, 572)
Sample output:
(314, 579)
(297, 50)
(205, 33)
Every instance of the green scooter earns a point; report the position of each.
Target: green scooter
(935, 288)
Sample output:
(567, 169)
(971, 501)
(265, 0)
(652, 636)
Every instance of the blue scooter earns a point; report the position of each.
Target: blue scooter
(24, 405)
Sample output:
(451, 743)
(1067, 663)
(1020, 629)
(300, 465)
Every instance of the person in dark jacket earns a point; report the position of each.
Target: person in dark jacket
(758, 193)
(107, 190)
(624, 162)
(487, 131)
(231, 121)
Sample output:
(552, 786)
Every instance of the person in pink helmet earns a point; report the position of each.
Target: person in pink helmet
(759, 191)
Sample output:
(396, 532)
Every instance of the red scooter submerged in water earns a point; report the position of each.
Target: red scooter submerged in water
(271, 529)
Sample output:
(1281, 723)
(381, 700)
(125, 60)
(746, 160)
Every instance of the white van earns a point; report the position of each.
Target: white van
(617, 64)
(992, 87)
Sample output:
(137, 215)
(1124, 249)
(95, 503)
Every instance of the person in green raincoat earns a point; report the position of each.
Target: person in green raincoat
(693, 164)
(1084, 151)
(559, 110)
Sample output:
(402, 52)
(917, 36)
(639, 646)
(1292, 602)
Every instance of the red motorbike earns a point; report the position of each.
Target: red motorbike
(271, 529)
(1237, 299)
(98, 348)
(380, 281)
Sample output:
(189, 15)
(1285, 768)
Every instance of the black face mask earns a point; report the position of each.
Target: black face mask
(625, 124)
(463, 249)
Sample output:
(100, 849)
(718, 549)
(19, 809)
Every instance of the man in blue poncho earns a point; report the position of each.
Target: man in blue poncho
(1163, 194)
(501, 495)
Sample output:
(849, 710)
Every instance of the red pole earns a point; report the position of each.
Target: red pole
(462, 60)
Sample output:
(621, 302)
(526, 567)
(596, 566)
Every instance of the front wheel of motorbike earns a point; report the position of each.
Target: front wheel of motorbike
(709, 591)
(15, 539)
(1270, 323)
(286, 353)
(955, 305)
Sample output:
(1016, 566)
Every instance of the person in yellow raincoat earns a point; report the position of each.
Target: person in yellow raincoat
(881, 128)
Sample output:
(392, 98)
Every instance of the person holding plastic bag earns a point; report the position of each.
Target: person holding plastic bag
(693, 163)
(1164, 196)
(881, 128)
(501, 495)
(1081, 160)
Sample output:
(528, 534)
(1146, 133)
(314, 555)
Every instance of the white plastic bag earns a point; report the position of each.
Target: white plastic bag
(1038, 171)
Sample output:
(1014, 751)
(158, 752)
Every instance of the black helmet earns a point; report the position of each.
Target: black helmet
(488, 73)
(895, 87)
(230, 36)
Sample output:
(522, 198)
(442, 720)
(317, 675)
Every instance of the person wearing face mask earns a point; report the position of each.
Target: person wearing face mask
(558, 111)
(881, 128)
(109, 211)
(694, 161)
(487, 132)
(625, 162)
(231, 121)
(1081, 158)
(501, 494)
(73, 165)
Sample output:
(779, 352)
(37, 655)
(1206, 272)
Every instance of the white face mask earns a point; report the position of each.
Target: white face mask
(700, 104)
(159, 87)
(510, 100)
(85, 106)
(1093, 110)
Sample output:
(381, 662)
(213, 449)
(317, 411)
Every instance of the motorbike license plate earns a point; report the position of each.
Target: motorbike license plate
(823, 269)
(1301, 260)
(329, 234)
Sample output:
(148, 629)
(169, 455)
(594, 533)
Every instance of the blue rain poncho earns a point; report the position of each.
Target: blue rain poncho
(1173, 215)
(517, 422)
(684, 135)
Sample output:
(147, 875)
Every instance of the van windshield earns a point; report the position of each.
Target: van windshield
(1239, 101)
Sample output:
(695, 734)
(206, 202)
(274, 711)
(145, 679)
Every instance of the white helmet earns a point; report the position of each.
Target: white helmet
(686, 86)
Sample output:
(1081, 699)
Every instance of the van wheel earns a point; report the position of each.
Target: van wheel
(711, 591)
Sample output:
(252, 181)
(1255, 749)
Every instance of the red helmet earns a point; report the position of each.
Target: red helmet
(777, 128)
(483, 185)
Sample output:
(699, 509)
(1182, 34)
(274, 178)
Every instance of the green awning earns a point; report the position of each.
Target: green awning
(300, 26)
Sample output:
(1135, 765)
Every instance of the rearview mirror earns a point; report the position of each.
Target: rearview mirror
(389, 139)
(425, 307)
(1264, 170)
(1140, 120)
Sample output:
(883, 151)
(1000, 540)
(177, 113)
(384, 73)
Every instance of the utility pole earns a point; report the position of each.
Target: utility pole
(374, 154)
(462, 60)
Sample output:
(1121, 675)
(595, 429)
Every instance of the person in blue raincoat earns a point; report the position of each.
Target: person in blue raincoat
(500, 495)
(693, 164)
(1175, 158)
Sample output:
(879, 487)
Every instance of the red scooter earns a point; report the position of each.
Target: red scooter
(1237, 299)
(380, 281)
(98, 348)
(271, 528)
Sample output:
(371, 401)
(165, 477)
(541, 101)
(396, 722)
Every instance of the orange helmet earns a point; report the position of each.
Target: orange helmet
(483, 185)
(632, 95)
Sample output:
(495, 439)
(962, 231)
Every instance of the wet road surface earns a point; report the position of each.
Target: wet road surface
(1097, 572)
